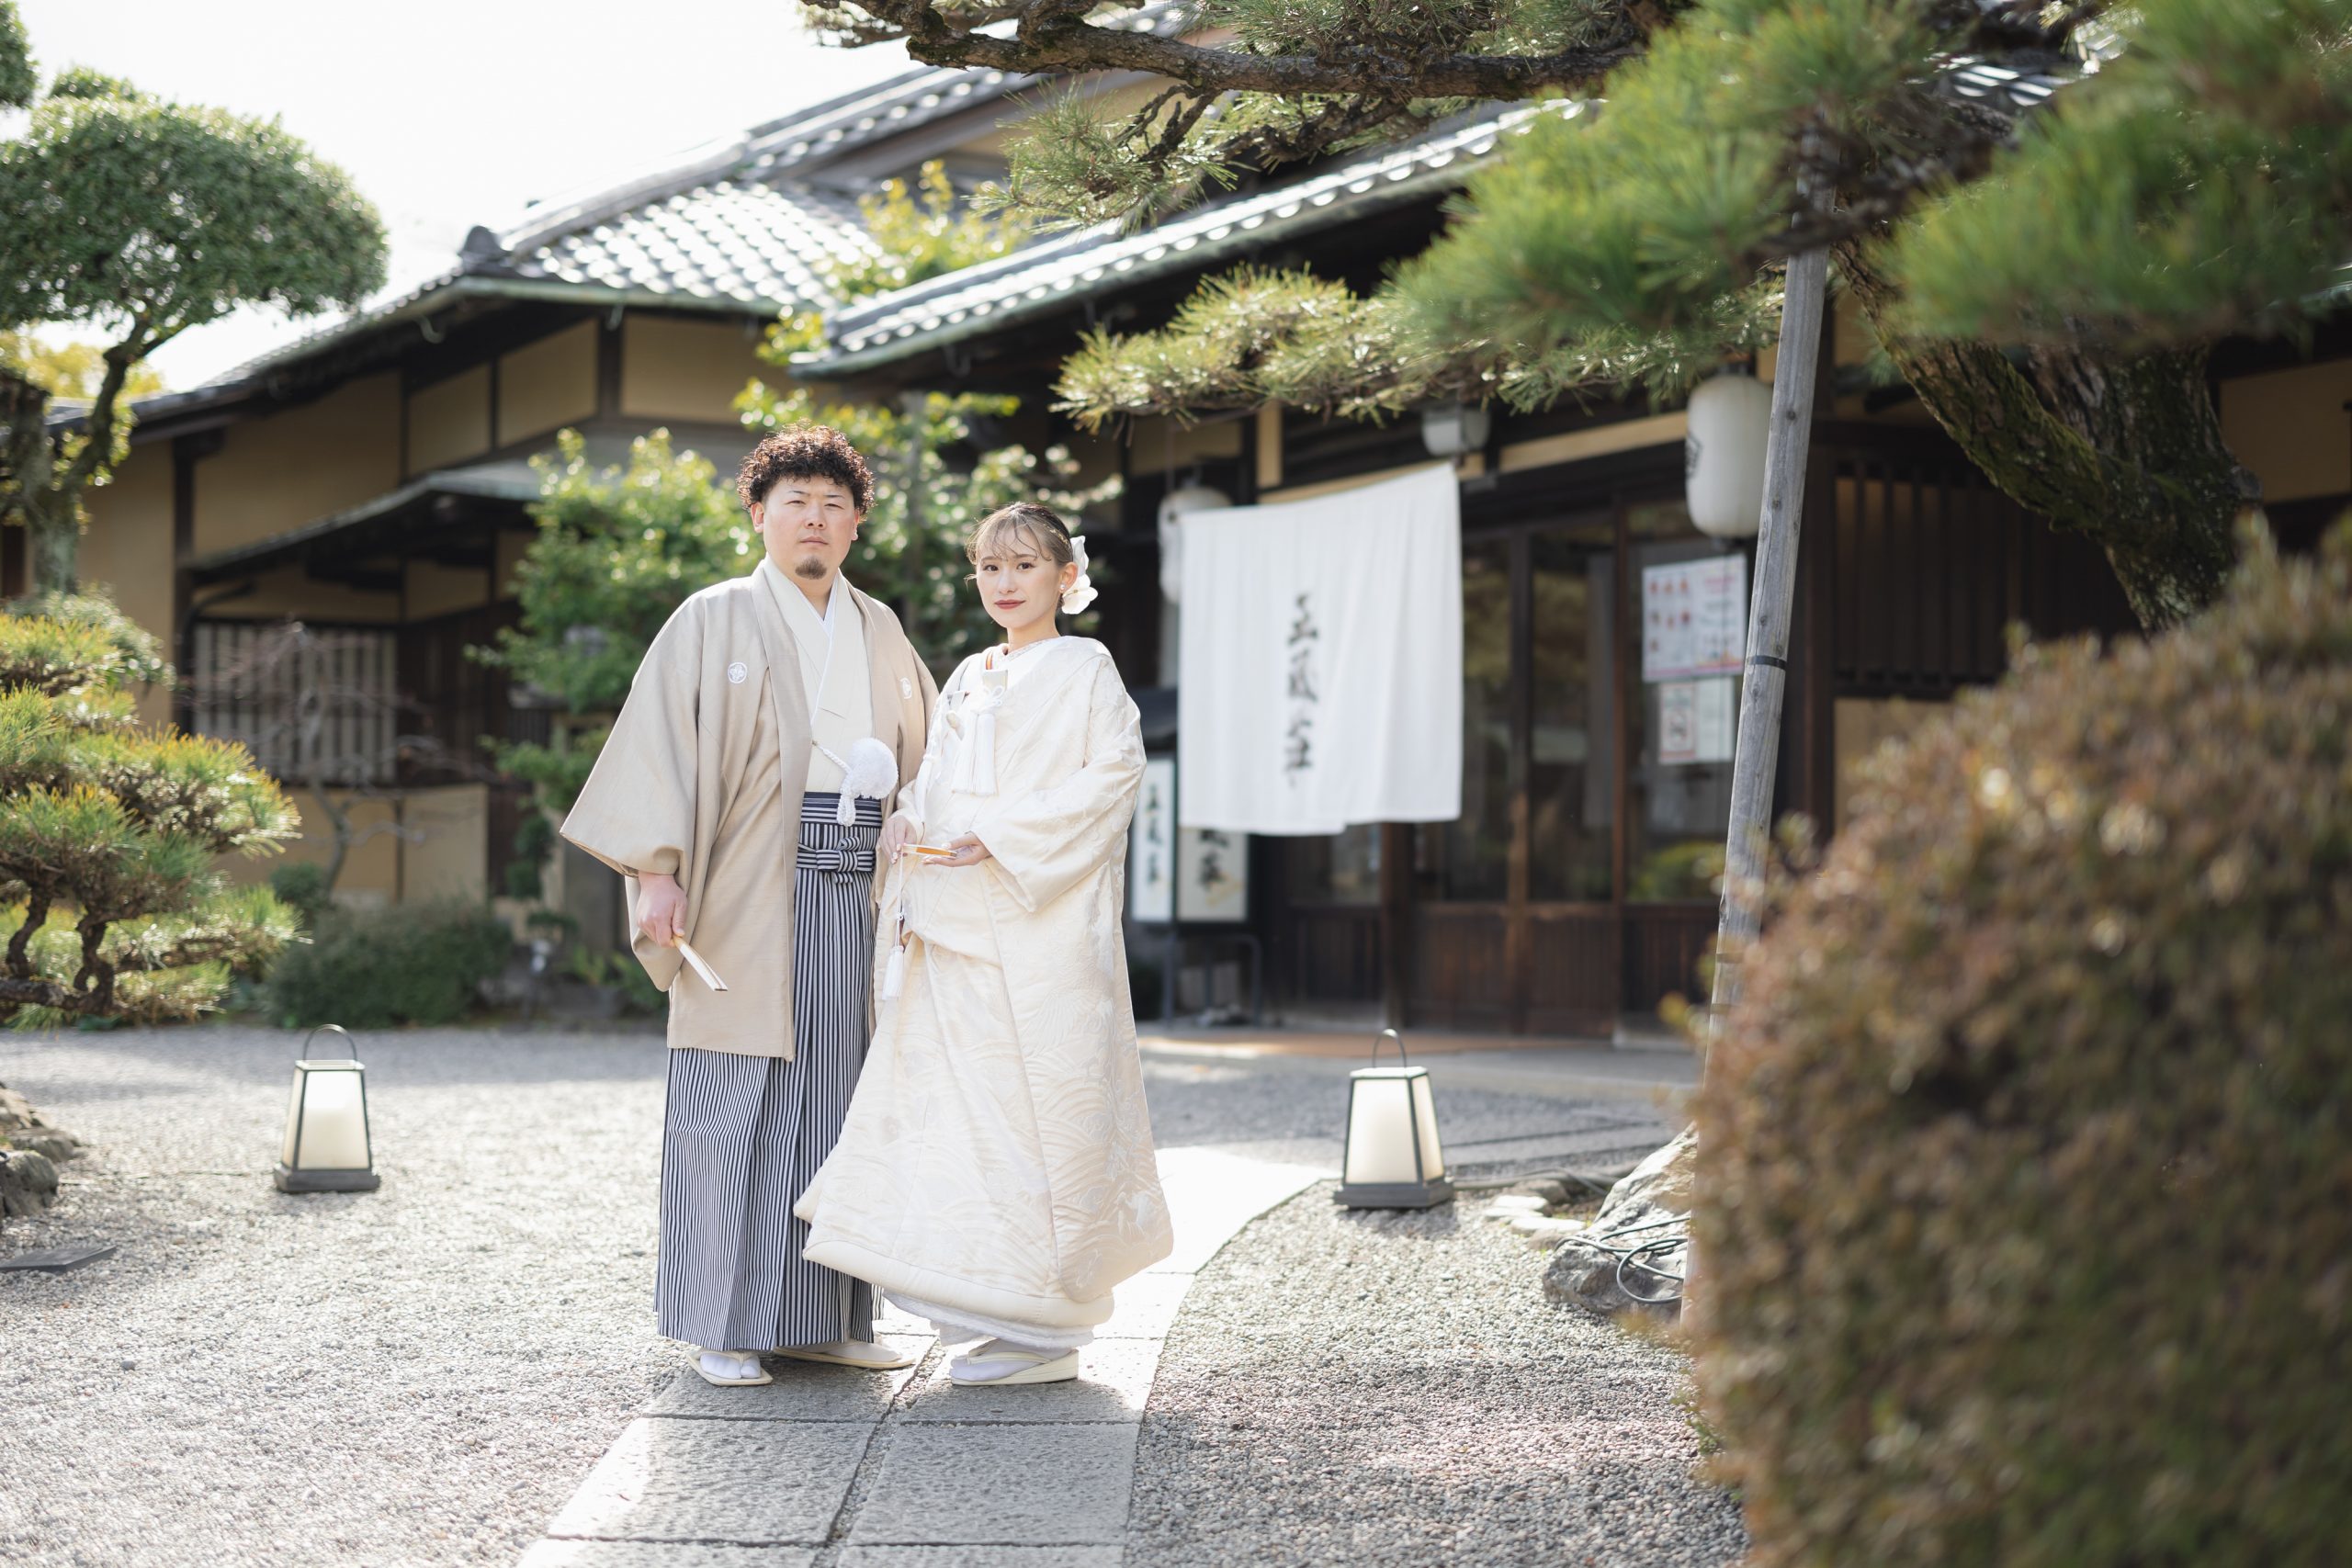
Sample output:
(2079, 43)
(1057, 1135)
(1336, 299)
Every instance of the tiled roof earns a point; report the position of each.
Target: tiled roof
(742, 225)
(1041, 278)
(1044, 277)
(736, 242)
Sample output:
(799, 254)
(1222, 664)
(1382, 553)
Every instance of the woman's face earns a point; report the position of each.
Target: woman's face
(1019, 582)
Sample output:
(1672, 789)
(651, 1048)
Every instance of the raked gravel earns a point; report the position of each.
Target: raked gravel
(1362, 1388)
(420, 1374)
(423, 1375)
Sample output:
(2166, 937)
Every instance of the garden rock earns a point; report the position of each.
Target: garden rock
(1584, 1274)
(28, 1183)
(23, 1127)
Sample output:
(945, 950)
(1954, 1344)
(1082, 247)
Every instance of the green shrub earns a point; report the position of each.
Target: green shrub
(2026, 1171)
(303, 887)
(370, 969)
(623, 973)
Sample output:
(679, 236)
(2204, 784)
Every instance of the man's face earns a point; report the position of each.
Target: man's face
(808, 524)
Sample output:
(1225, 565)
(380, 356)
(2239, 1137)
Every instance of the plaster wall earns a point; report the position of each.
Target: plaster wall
(545, 385)
(437, 589)
(127, 551)
(2292, 429)
(687, 370)
(300, 464)
(448, 421)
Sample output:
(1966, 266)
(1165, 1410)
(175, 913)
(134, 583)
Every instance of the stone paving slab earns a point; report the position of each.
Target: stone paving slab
(1145, 1306)
(1113, 1382)
(747, 1481)
(803, 1391)
(1063, 1485)
(663, 1554)
(1211, 1195)
(982, 1557)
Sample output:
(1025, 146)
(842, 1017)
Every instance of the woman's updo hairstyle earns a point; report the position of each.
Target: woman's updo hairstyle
(1001, 533)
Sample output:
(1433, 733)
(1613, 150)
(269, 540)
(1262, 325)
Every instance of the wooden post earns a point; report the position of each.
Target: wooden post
(915, 406)
(1756, 751)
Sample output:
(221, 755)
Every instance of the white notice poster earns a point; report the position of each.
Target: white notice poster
(1215, 884)
(1716, 718)
(1696, 720)
(1677, 721)
(1151, 858)
(1694, 617)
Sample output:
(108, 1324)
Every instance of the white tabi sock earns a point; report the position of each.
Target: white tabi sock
(968, 1369)
(730, 1363)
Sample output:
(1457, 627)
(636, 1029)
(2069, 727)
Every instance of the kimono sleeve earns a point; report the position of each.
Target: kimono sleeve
(637, 811)
(1045, 842)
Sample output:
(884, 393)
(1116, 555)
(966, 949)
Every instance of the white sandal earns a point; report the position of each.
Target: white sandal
(865, 1355)
(1030, 1367)
(728, 1373)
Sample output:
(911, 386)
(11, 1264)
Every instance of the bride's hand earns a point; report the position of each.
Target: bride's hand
(968, 849)
(896, 834)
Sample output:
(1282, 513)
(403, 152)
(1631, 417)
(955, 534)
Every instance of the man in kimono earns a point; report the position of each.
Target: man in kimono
(741, 793)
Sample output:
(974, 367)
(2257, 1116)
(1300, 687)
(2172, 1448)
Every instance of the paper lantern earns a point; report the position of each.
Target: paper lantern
(1392, 1159)
(1449, 429)
(326, 1148)
(1731, 420)
(1174, 508)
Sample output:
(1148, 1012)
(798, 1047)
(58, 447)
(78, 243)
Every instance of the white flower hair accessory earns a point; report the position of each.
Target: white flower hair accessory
(1079, 594)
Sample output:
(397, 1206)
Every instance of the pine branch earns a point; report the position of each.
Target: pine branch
(1056, 39)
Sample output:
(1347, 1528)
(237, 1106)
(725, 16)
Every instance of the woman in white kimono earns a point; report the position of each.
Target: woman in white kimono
(995, 1173)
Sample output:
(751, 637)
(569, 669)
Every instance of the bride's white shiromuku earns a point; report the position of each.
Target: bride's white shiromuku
(995, 1173)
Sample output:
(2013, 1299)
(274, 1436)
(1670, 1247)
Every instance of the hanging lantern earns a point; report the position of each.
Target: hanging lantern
(1392, 1159)
(1723, 454)
(326, 1147)
(1174, 508)
(1452, 428)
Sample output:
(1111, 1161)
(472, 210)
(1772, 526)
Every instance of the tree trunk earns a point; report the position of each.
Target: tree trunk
(2127, 452)
(28, 488)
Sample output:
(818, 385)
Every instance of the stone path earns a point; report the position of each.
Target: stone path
(902, 1470)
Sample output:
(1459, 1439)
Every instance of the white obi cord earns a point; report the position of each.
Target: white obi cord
(975, 770)
(870, 771)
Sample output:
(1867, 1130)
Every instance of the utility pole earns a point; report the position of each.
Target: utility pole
(1755, 752)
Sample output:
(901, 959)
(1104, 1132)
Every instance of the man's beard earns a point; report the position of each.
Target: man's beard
(813, 567)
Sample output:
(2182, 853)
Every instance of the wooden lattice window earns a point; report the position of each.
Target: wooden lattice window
(313, 703)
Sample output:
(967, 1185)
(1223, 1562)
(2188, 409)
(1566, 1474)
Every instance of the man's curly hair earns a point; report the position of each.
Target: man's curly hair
(804, 452)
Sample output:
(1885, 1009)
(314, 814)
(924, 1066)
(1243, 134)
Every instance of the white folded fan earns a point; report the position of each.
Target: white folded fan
(700, 966)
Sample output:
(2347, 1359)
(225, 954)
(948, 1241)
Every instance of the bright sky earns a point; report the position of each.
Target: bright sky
(450, 113)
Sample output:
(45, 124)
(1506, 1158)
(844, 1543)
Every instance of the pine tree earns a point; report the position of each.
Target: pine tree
(2049, 283)
(109, 831)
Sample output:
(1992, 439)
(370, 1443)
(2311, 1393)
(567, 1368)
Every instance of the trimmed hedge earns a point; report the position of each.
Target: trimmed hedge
(2025, 1194)
(374, 968)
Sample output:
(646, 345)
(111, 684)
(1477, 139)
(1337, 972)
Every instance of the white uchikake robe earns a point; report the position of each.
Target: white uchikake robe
(996, 1168)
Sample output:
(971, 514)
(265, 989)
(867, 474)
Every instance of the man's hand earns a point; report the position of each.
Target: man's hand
(896, 834)
(660, 908)
(968, 849)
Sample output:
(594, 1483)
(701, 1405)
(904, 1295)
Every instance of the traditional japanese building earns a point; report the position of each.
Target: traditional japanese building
(375, 477)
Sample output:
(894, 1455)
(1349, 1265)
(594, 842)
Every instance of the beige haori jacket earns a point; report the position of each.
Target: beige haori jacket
(702, 780)
(997, 1159)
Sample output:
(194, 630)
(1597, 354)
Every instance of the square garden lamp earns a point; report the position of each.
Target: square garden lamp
(326, 1147)
(1392, 1159)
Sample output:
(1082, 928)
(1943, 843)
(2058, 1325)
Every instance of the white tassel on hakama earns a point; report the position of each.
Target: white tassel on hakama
(871, 771)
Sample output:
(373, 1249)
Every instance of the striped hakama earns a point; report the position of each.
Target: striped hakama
(743, 1135)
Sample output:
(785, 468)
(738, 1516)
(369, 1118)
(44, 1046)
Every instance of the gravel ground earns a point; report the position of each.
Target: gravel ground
(420, 1374)
(424, 1374)
(1352, 1387)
